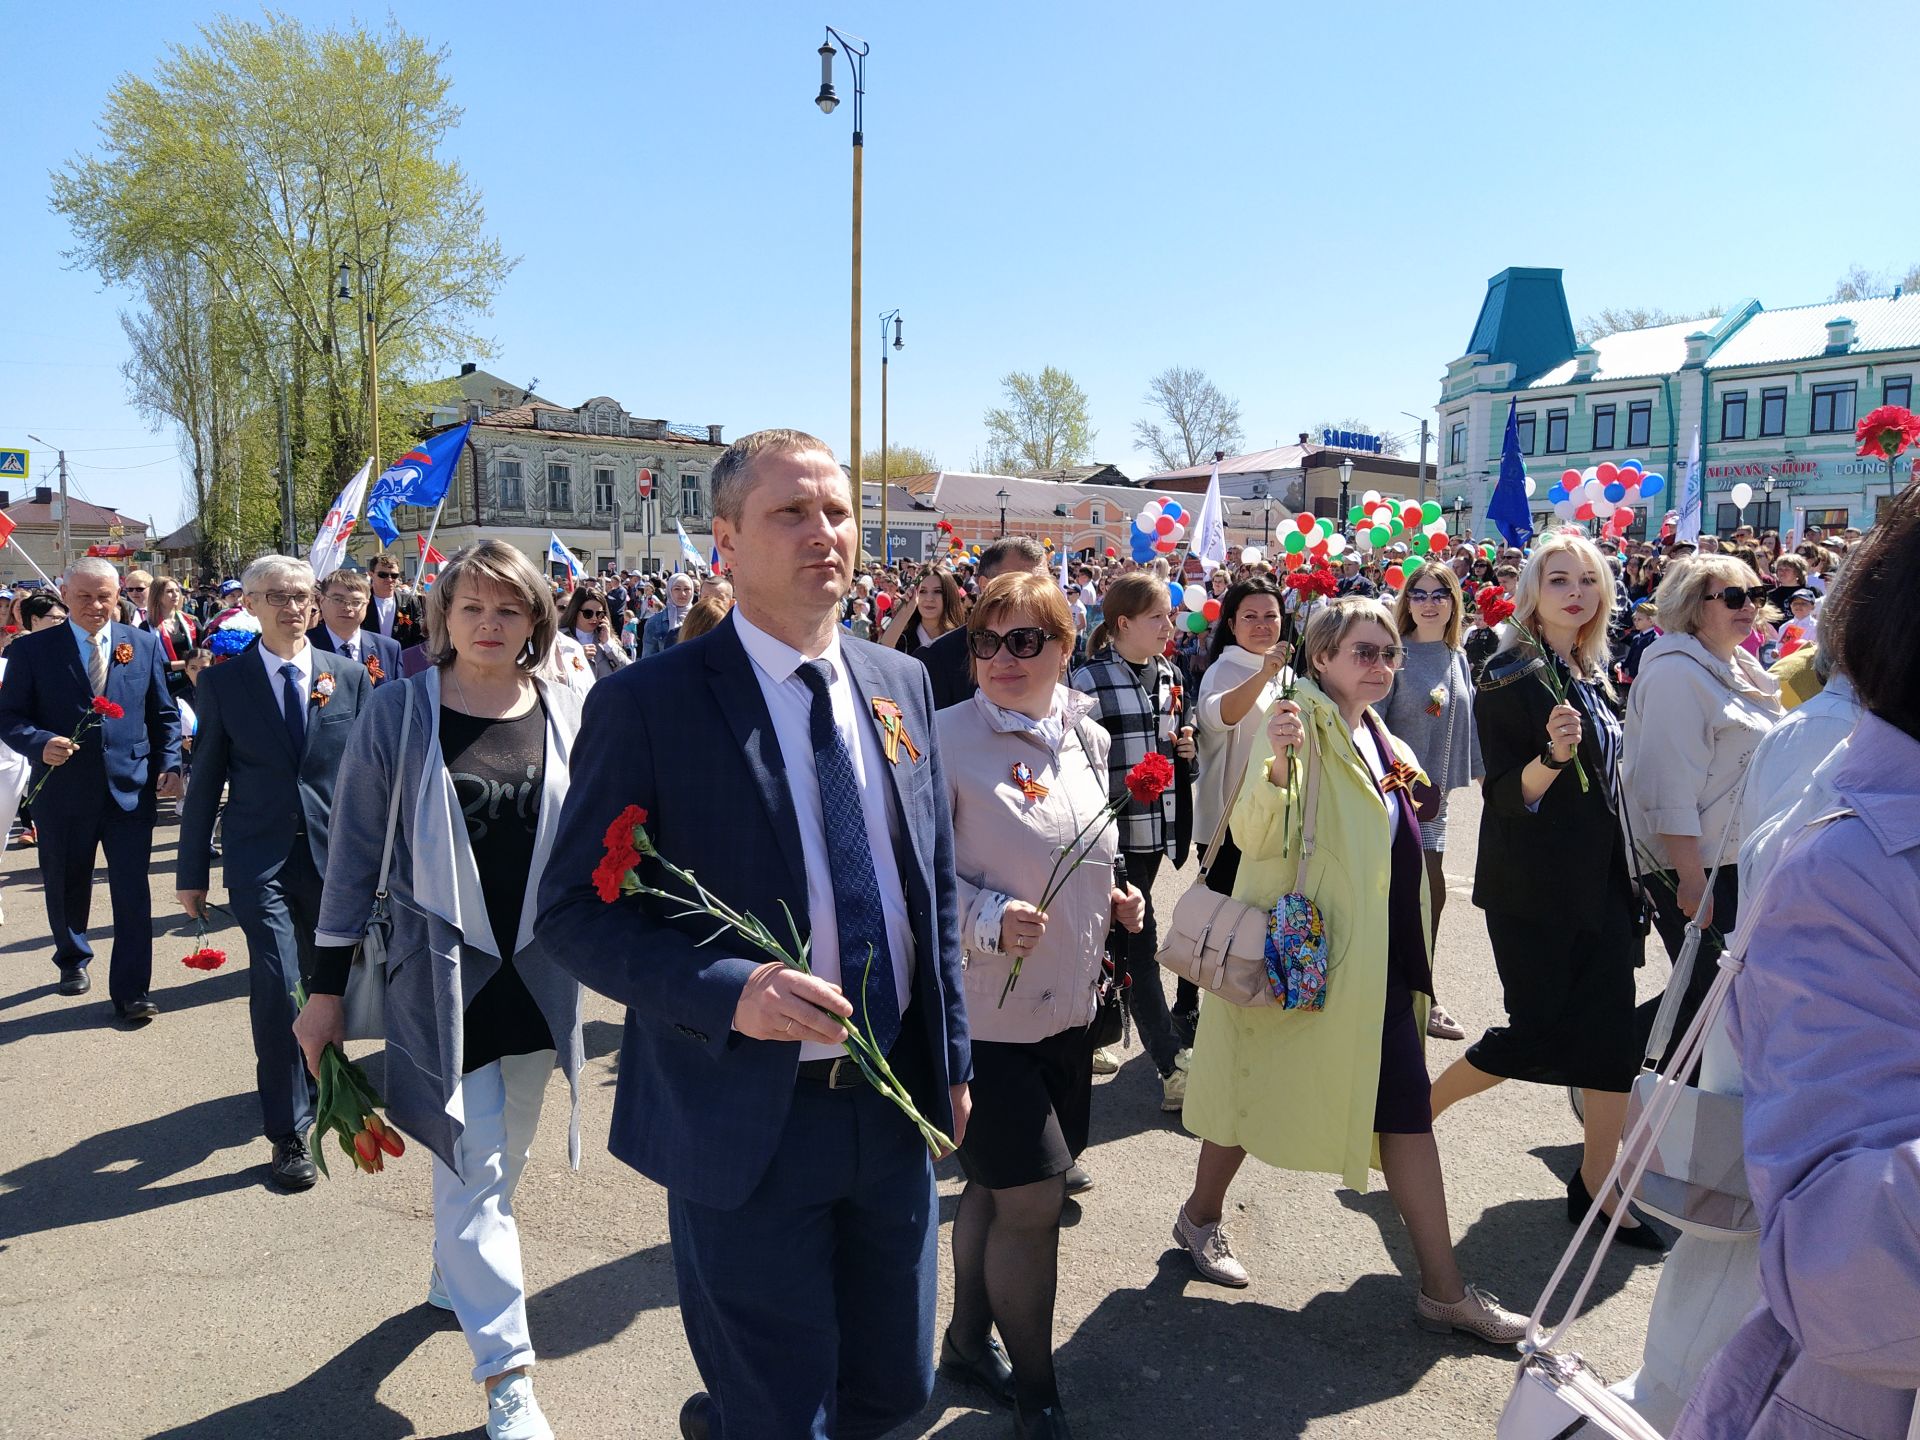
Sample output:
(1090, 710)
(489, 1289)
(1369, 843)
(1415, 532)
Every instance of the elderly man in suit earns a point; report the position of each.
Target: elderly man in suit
(662, 629)
(274, 722)
(100, 792)
(396, 616)
(800, 1201)
(344, 603)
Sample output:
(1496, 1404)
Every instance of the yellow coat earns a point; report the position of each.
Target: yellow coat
(1297, 1088)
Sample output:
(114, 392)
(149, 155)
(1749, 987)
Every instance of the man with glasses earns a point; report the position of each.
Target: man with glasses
(273, 726)
(343, 612)
(396, 616)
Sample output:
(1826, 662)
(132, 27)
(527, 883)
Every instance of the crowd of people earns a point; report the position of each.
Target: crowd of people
(1666, 735)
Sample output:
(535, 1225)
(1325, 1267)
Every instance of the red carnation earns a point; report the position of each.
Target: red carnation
(1494, 605)
(607, 877)
(106, 708)
(620, 832)
(1887, 431)
(1149, 778)
(204, 959)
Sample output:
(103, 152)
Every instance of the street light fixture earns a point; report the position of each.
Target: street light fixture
(886, 539)
(1459, 504)
(370, 337)
(827, 100)
(1003, 497)
(1346, 478)
(1262, 493)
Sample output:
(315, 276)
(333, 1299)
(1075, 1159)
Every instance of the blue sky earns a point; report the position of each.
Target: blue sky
(1306, 203)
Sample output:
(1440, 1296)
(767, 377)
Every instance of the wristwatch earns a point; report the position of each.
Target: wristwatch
(1546, 759)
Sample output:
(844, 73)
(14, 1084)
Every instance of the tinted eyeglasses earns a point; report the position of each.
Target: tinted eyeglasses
(1023, 644)
(1736, 598)
(1428, 597)
(1370, 655)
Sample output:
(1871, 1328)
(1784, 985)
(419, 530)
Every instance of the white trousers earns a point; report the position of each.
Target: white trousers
(476, 1242)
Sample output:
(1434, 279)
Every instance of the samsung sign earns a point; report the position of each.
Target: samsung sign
(1351, 440)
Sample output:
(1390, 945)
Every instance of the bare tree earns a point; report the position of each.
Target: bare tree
(1043, 425)
(1200, 417)
(1614, 319)
(1860, 283)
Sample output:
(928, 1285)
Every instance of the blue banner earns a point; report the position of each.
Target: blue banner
(422, 476)
(1507, 507)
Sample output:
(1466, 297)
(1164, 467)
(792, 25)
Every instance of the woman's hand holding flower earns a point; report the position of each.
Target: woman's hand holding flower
(1021, 927)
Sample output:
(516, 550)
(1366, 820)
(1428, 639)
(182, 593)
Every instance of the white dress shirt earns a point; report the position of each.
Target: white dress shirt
(278, 682)
(349, 645)
(383, 613)
(790, 703)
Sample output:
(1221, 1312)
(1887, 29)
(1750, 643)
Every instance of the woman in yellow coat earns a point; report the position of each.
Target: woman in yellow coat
(1343, 1089)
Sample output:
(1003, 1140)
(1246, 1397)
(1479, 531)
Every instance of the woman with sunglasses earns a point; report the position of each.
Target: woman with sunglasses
(1699, 707)
(1026, 765)
(589, 620)
(1552, 873)
(1431, 708)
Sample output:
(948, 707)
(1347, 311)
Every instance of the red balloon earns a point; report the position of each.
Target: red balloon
(1295, 559)
(1585, 512)
(1306, 522)
(1111, 552)
(883, 602)
(1164, 546)
(1606, 472)
(1210, 611)
(1410, 517)
(1396, 577)
(1164, 525)
(1436, 544)
(1571, 480)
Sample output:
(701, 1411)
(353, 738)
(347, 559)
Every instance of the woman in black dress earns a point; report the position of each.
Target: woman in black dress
(1552, 875)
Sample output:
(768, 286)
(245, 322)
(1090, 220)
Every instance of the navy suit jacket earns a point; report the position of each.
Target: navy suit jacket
(47, 694)
(385, 649)
(243, 742)
(687, 737)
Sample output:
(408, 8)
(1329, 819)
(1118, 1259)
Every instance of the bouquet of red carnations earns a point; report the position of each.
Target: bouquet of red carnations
(101, 710)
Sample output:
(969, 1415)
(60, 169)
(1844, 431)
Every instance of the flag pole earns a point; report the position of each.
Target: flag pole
(37, 570)
(432, 526)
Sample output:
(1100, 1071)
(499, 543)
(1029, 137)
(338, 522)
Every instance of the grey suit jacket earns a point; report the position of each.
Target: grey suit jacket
(243, 743)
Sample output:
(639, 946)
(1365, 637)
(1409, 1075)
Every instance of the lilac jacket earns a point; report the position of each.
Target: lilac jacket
(1825, 1016)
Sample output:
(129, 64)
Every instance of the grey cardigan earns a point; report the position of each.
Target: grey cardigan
(433, 969)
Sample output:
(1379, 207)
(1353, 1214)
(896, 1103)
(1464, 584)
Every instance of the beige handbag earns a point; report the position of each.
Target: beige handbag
(1220, 943)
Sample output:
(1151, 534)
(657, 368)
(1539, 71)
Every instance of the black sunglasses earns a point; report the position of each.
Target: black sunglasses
(1736, 598)
(586, 614)
(1024, 643)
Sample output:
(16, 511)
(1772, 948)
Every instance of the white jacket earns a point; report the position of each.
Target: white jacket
(1693, 722)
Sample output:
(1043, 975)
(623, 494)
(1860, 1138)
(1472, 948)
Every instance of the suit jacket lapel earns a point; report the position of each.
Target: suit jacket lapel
(737, 692)
(266, 697)
(868, 685)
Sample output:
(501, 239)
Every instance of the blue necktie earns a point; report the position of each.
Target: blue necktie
(856, 889)
(294, 708)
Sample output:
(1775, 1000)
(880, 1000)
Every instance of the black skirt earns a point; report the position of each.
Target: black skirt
(1032, 1103)
(1569, 997)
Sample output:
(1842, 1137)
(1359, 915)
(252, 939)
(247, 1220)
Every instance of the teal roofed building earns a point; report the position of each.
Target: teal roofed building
(1774, 393)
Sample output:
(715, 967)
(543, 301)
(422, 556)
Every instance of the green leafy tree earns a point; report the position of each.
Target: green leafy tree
(1042, 426)
(264, 157)
(902, 460)
(1200, 419)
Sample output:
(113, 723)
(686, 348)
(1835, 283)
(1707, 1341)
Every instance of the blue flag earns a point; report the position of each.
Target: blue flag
(422, 476)
(1507, 507)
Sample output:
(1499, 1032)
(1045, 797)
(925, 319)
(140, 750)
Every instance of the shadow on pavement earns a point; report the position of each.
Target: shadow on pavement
(123, 1172)
(568, 1317)
(95, 1009)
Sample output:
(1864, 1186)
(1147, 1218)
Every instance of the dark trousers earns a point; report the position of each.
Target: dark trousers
(72, 830)
(1671, 924)
(1133, 958)
(810, 1309)
(278, 916)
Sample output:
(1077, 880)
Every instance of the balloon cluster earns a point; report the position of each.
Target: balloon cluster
(1158, 529)
(1605, 492)
(1377, 522)
(1195, 609)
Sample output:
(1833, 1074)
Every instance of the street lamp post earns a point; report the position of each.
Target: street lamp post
(1766, 506)
(1003, 497)
(856, 49)
(1459, 503)
(371, 340)
(886, 540)
(1264, 495)
(1346, 478)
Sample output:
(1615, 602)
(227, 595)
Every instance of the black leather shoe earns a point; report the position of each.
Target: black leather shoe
(694, 1424)
(293, 1167)
(1638, 1237)
(1047, 1424)
(1079, 1181)
(138, 1012)
(75, 981)
(992, 1372)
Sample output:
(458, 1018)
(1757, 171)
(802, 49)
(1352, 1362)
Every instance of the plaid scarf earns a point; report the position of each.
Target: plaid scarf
(1132, 716)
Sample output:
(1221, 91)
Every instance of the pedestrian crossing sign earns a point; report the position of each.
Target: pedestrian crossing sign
(13, 464)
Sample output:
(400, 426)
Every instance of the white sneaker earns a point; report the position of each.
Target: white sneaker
(1105, 1062)
(1207, 1246)
(437, 1290)
(513, 1413)
(1173, 1087)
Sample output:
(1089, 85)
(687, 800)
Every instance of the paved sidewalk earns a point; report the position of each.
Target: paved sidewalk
(152, 1282)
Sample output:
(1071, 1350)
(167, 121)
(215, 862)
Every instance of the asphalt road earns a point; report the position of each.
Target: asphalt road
(153, 1283)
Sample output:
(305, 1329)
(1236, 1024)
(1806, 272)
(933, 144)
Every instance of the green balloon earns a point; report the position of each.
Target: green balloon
(1430, 512)
(1325, 526)
(1418, 545)
(1373, 537)
(1356, 515)
(1196, 622)
(1294, 543)
(1395, 529)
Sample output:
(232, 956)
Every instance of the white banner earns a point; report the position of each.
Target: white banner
(330, 544)
(1692, 496)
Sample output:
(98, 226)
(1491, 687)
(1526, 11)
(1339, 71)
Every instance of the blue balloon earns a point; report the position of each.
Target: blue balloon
(1615, 492)
(1177, 594)
(1633, 465)
(1557, 493)
(1651, 486)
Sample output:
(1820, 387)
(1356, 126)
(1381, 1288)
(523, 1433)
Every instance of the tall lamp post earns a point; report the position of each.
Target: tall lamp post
(856, 49)
(1459, 503)
(1766, 506)
(371, 339)
(1346, 479)
(1003, 497)
(886, 539)
(1264, 495)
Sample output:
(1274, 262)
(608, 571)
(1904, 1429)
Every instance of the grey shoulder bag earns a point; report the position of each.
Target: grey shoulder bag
(364, 1006)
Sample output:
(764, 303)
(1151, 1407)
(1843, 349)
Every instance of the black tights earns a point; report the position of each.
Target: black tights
(1006, 1257)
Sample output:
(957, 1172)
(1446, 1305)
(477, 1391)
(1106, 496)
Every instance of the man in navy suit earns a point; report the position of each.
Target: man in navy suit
(800, 1200)
(274, 721)
(99, 794)
(343, 610)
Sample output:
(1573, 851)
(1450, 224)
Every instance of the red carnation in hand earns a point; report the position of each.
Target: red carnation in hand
(1149, 778)
(1887, 431)
(204, 959)
(1494, 605)
(608, 875)
(106, 709)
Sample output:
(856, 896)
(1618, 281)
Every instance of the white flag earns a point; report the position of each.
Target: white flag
(330, 544)
(561, 555)
(1692, 499)
(1209, 542)
(687, 548)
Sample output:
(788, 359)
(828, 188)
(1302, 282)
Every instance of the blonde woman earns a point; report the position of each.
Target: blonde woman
(1327, 1090)
(1553, 875)
(1431, 708)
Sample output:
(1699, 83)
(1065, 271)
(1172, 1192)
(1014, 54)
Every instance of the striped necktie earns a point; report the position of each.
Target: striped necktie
(97, 663)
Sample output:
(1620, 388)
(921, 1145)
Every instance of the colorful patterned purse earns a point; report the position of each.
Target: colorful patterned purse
(1297, 949)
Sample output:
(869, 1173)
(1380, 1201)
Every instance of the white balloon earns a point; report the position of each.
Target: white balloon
(1603, 507)
(1590, 473)
(1564, 509)
(1150, 512)
(1336, 542)
(1438, 527)
(1529, 485)
(1372, 497)
(1742, 495)
(1251, 554)
(1593, 489)
(1179, 532)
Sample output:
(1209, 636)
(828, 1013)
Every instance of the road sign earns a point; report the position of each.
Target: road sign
(644, 483)
(13, 464)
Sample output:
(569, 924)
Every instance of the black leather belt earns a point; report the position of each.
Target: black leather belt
(842, 1072)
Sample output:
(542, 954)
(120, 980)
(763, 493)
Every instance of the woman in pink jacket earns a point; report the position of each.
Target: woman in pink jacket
(1026, 770)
